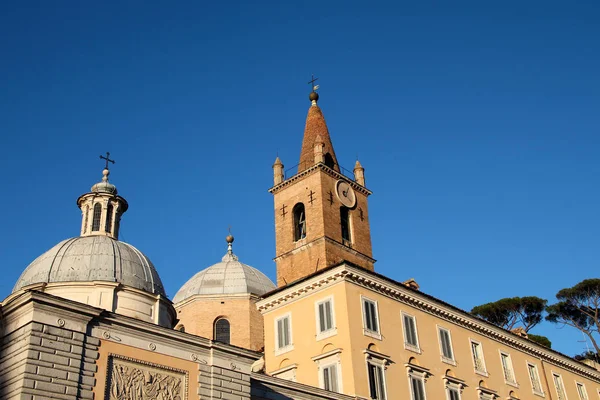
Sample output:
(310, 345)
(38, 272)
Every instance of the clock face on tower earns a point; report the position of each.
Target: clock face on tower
(345, 193)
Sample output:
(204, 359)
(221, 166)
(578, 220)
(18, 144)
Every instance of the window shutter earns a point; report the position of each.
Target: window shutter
(446, 348)
(328, 316)
(453, 394)
(280, 333)
(373, 318)
(334, 385)
(411, 334)
(322, 326)
(326, 380)
(381, 384)
(286, 331)
(372, 381)
(367, 315)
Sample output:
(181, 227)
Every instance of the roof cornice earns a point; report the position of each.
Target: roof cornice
(320, 167)
(424, 302)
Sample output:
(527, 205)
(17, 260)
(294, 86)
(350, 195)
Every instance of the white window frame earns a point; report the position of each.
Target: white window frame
(328, 332)
(280, 350)
(581, 385)
(411, 347)
(486, 394)
(368, 332)
(562, 383)
(511, 369)
(537, 376)
(287, 373)
(445, 359)
(330, 359)
(419, 373)
(478, 371)
(378, 360)
(452, 383)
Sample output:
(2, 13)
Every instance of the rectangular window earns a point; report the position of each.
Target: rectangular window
(325, 310)
(453, 394)
(330, 379)
(478, 361)
(560, 388)
(284, 332)
(371, 320)
(446, 345)
(536, 385)
(581, 391)
(507, 368)
(417, 388)
(376, 382)
(411, 340)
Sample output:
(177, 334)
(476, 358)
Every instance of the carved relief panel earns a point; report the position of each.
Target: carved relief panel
(131, 379)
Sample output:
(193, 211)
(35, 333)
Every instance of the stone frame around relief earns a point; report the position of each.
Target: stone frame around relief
(145, 369)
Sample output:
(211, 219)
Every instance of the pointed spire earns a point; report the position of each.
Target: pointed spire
(359, 173)
(315, 128)
(278, 174)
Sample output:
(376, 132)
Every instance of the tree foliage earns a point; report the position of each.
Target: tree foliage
(579, 307)
(587, 355)
(539, 339)
(513, 311)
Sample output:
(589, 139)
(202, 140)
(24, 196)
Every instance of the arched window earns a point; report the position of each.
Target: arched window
(345, 221)
(109, 218)
(222, 331)
(96, 218)
(329, 160)
(299, 222)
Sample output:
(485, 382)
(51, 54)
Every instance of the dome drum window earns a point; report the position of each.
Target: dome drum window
(96, 217)
(109, 218)
(222, 331)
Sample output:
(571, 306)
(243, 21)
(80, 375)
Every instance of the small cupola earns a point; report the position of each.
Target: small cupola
(102, 207)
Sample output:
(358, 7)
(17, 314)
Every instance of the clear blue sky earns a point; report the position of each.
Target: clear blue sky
(478, 127)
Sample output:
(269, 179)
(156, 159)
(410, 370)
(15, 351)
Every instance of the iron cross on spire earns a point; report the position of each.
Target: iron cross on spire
(312, 83)
(107, 158)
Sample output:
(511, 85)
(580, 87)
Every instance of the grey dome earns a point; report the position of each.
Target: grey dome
(93, 258)
(227, 277)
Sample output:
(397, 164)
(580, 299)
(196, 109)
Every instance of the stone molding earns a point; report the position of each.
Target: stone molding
(328, 171)
(425, 303)
(341, 246)
(235, 296)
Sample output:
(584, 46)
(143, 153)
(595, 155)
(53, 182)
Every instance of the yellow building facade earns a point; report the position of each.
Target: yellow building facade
(387, 340)
(335, 324)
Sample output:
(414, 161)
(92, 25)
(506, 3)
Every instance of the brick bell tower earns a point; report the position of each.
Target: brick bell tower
(321, 215)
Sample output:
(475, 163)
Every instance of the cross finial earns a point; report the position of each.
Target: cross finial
(312, 83)
(107, 158)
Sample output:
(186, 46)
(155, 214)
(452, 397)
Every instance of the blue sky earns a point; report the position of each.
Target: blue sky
(478, 127)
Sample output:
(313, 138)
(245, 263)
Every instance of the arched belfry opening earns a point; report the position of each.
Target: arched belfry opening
(222, 331)
(299, 222)
(345, 224)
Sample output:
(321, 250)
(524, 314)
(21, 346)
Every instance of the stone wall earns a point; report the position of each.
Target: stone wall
(40, 361)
